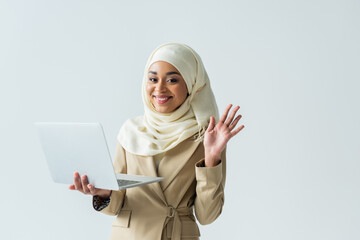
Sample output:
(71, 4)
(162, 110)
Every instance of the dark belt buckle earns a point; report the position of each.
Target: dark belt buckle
(172, 212)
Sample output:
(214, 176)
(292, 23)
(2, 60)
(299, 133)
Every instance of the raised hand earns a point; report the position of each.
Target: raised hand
(217, 135)
(82, 185)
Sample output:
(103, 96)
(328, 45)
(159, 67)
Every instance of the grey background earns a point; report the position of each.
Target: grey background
(292, 66)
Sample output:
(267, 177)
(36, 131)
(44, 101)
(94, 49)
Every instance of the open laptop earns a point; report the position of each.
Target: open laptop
(81, 147)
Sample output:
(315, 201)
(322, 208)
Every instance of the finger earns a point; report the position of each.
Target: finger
(85, 182)
(77, 181)
(232, 115)
(233, 124)
(72, 187)
(224, 116)
(236, 131)
(92, 189)
(211, 124)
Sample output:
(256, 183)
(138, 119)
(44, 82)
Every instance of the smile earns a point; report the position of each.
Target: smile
(162, 99)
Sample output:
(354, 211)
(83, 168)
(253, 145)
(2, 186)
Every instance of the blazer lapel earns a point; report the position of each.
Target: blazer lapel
(174, 160)
(147, 167)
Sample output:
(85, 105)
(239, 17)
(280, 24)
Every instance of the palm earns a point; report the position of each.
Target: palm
(217, 136)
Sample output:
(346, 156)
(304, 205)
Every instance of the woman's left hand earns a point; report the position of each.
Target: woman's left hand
(217, 136)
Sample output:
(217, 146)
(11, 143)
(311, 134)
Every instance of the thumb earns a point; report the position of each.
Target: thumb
(211, 124)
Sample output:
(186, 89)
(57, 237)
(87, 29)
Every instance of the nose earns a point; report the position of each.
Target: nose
(160, 86)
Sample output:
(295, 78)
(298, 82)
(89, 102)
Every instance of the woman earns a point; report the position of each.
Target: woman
(178, 138)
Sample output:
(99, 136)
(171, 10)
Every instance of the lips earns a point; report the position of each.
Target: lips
(161, 99)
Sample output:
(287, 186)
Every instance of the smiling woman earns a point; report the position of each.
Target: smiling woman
(166, 87)
(180, 138)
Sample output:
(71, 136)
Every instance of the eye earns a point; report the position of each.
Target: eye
(152, 79)
(173, 80)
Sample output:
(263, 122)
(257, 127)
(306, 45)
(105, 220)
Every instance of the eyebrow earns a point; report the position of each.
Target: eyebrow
(168, 73)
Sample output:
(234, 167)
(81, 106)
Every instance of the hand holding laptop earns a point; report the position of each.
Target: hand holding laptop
(82, 185)
(82, 148)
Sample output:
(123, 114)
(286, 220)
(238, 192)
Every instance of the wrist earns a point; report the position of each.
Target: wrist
(212, 160)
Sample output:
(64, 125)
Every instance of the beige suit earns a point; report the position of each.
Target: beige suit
(164, 210)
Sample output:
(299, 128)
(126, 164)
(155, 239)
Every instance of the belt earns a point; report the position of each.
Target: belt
(175, 213)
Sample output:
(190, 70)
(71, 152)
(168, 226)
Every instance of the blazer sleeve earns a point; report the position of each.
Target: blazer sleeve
(117, 197)
(210, 183)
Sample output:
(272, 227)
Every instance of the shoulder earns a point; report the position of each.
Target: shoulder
(188, 145)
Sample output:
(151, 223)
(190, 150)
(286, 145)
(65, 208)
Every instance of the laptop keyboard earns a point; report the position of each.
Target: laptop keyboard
(122, 182)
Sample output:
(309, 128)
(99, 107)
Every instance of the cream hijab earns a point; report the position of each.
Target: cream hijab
(154, 132)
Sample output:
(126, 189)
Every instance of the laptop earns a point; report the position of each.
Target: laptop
(81, 147)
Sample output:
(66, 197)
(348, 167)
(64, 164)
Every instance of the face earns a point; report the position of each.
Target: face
(165, 87)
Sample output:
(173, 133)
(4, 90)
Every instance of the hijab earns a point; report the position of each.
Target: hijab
(154, 133)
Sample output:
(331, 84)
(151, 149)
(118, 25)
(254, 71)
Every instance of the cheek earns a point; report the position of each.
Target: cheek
(182, 93)
(184, 90)
(148, 89)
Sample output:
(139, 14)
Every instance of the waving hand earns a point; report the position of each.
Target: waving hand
(217, 135)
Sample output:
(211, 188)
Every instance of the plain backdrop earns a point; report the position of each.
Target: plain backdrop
(292, 66)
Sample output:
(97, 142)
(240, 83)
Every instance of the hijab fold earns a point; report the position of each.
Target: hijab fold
(155, 132)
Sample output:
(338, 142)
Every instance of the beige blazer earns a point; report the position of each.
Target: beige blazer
(164, 210)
